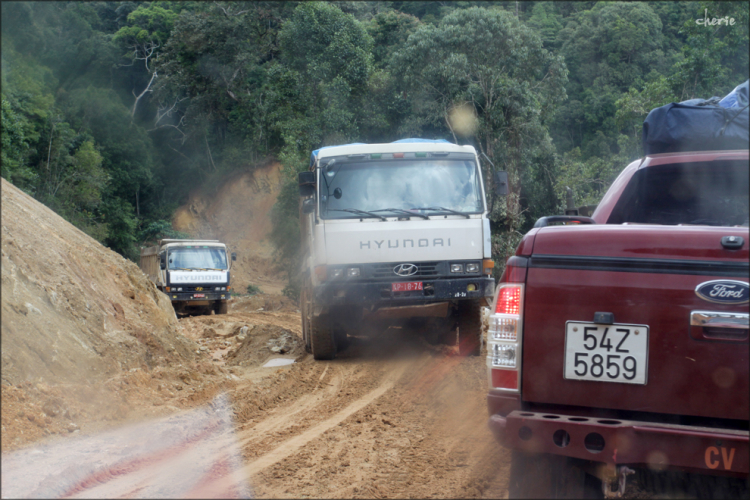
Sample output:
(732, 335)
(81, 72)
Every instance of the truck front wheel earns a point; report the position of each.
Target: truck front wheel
(469, 328)
(321, 336)
(535, 475)
(221, 307)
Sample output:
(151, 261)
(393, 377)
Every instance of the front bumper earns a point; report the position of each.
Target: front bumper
(703, 450)
(345, 292)
(191, 296)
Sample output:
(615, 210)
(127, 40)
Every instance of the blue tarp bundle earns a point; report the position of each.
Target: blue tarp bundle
(737, 98)
(434, 141)
(699, 125)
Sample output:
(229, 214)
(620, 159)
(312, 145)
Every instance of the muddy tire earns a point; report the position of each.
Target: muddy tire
(222, 307)
(322, 342)
(469, 328)
(439, 331)
(342, 339)
(535, 475)
(306, 308)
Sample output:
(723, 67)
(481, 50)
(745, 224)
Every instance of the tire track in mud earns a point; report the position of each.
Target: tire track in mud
(420, 432)
(290, 446)
(281, 418)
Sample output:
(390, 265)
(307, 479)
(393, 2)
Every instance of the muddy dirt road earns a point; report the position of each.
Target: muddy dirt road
(391, 417)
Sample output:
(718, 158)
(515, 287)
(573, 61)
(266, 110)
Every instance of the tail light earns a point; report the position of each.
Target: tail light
(506, 328)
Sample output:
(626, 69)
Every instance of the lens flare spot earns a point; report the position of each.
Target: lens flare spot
(463, 120)
(657, 460)
(724, 377)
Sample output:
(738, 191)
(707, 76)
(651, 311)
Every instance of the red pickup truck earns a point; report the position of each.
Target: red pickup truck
(618, 344)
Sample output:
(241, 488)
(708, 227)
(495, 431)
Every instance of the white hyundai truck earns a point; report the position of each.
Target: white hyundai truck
(392, 233)
(193, 273)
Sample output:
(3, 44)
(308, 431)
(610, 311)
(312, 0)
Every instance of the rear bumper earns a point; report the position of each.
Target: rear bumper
(640, 444)
(191, 296)
(345, 293)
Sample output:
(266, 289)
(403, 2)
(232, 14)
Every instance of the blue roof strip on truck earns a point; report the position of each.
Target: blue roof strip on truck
(400, 141)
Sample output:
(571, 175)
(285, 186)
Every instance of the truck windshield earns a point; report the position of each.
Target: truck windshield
(452, 185)
(710, 194)
(197, 258)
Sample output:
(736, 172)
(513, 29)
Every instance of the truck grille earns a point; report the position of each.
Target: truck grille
(424, 270)
(207, 288)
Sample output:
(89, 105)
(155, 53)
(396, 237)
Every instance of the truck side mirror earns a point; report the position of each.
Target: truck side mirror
(306, 183)
(234, 255)
(501, 182)
(162, 261)
(308, 206)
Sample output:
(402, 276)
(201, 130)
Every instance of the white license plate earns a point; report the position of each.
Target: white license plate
(606, 353)
(199, 295)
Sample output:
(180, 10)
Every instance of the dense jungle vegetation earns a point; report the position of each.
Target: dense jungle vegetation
(113, 111)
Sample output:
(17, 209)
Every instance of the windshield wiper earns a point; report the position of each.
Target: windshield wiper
(401, 210)
(443, 209)
(195, 269)
(358, 212)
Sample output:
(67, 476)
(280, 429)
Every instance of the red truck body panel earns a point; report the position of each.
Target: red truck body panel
(695, 403)
(686, 376)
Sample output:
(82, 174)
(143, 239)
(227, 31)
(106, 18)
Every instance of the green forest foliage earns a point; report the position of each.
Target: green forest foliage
(113, 111)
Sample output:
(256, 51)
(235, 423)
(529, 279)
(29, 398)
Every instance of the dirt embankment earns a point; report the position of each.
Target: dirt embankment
(73, 310)
(237, 214)
(83, 329)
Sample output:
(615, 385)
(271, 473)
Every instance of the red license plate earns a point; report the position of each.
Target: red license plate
(199, 295)
(408, 286)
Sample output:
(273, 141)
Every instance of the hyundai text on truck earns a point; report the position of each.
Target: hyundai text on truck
(193, 273)
(394, 232)
(619, 343)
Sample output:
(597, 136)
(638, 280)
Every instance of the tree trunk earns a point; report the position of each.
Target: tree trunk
(138, 97)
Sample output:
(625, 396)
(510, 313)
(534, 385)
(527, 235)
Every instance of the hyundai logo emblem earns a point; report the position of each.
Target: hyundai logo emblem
(405, 269)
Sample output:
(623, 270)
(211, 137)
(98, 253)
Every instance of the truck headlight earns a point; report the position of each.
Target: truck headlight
(457, 268)
(472, 268)
(218, 289)
(223, 289)
(336, 273)
(352, 272)
(179, 289)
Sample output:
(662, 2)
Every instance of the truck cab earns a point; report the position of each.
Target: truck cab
(394, 232)
(195, 274)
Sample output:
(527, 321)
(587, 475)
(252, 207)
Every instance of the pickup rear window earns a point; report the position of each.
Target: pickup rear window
(712, 194)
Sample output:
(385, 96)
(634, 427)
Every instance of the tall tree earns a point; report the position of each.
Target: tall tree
(492, 62)
(609, 48)
(715, 56)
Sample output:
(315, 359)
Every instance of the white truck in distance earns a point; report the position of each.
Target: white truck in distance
(394, 233)
(193, 273)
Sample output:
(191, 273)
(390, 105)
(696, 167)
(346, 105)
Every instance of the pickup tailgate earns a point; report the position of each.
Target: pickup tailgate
(646, 276)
